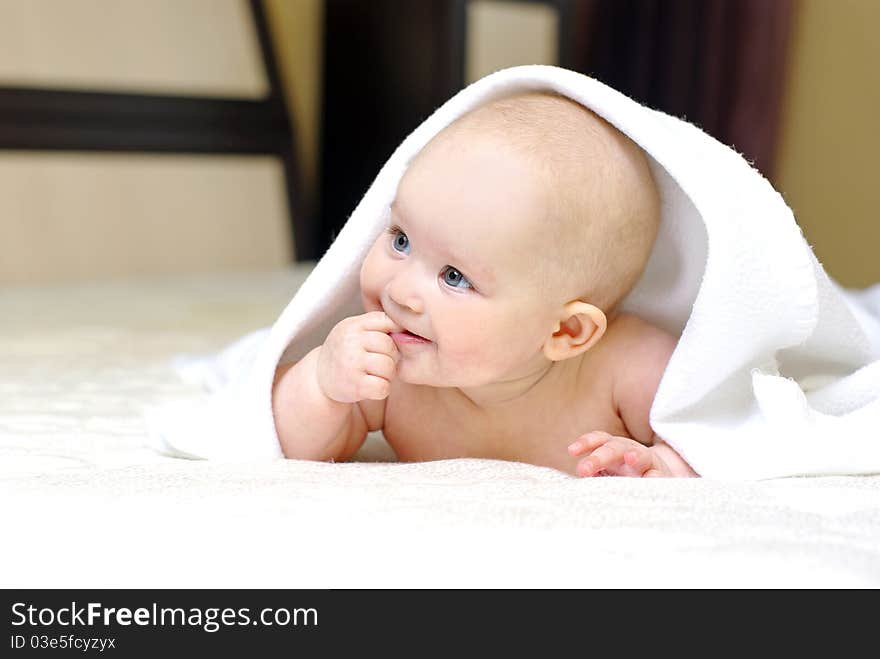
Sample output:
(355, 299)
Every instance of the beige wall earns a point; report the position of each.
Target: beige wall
(75, 216)
(80, 216)
(501, 33)
(828, 165)
(187, 47)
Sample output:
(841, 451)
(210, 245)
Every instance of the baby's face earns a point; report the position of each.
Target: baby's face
(458, 266)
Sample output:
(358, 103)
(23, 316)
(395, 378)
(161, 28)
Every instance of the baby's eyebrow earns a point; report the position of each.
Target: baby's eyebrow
(473, 269)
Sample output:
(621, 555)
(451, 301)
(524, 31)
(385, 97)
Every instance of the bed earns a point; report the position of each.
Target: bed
(87, 504)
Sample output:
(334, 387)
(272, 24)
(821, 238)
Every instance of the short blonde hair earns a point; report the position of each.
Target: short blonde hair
(603, 214)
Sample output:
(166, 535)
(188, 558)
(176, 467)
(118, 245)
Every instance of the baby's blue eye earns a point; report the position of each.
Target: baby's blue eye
(451, 276)
(400, 242)
(454, 278)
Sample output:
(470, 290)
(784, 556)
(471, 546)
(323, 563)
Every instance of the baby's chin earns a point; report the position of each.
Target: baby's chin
(412, 370)
(411, 373)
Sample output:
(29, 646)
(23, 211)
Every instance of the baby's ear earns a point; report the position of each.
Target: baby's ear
(583, 325)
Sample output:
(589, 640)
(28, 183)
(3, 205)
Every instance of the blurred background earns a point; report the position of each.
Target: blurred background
(149, 137)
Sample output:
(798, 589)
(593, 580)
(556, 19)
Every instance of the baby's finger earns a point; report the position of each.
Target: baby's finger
(380, 321)
(382, 366)
(382, 344)
(608, 457)
(639, 460)
(373, 387)
(589, 442)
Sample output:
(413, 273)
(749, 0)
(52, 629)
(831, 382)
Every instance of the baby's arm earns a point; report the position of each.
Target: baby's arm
(314, 401)
(644, 353)
(310, 426)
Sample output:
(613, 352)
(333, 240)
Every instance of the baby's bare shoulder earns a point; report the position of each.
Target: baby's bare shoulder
(639, 352)
(633, 337)
(632, 354)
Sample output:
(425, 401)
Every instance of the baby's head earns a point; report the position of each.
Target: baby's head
(514, 233)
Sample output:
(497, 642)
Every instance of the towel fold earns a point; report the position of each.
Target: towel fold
(777, 370)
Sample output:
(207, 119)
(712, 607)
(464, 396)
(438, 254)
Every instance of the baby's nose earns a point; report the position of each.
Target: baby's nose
(404, 295)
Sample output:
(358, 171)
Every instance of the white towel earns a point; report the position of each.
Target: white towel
(776, 373)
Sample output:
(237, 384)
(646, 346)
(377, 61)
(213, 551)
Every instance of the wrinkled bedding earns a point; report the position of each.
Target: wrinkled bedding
(86, 504)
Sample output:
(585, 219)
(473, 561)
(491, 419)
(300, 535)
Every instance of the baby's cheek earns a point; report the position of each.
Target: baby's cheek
(370, 300)
(370, 303)
(371, 283)
(470, 352)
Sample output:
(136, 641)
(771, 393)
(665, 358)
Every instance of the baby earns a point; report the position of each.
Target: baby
(491, 327)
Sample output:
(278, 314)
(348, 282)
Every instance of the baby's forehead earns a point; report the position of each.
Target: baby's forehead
(568, 148)
(537, 121)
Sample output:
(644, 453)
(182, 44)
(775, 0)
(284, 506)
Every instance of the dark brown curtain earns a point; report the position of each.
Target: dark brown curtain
(720, 64)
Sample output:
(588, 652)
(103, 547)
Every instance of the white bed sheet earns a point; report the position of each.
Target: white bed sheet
(84, 503)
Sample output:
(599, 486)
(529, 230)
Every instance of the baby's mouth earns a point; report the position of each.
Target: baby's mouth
(405, 334)
(409, 338)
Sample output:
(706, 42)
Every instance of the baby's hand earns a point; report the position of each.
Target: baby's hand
(617, 456)
(358, 359)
